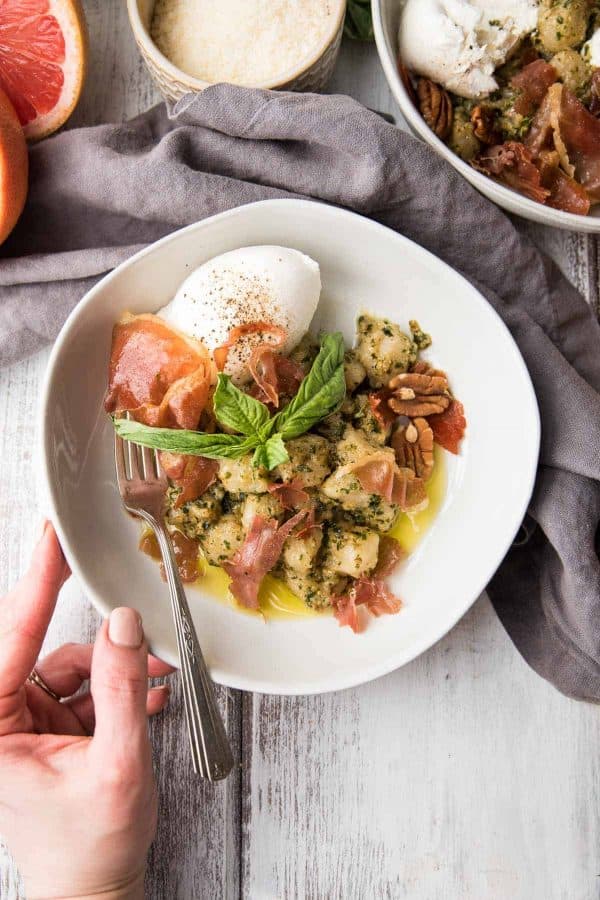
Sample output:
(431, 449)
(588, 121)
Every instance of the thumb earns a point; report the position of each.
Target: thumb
(119, 686)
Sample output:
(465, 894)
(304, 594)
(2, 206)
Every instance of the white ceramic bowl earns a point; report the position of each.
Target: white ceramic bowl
(363, 266)
(386, 16)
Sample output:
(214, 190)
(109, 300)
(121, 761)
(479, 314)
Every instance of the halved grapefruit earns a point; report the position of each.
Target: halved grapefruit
(13, 167)
(43, 50)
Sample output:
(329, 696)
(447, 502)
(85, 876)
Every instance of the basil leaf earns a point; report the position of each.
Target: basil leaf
(270, 454)
(237, 410)
(194, 443)
(359, 24)
(321, 392)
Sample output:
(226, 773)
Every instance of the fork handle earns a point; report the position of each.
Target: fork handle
(211, 752)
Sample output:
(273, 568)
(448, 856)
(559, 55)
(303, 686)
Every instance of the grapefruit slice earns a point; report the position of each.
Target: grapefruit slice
(13, 167)
(43, 49)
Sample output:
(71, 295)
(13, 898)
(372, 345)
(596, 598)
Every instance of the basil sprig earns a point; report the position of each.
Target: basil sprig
(321, 393)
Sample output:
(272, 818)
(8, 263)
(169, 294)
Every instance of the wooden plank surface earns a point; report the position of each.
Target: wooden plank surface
(460, 776)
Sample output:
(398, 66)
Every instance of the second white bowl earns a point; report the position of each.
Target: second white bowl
(386, 16)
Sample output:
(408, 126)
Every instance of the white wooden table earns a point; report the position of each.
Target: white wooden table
(462, 776)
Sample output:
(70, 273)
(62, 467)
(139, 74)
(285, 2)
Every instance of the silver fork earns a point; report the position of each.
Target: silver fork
(142, 485)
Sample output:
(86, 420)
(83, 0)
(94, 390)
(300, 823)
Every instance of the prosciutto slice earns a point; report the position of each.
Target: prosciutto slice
(221, 354)
(380, 409)
(513, 164)
(565, 193)
(377, 597)
(376, 474)
(291, 494)
(257, 556)
(157, 374)
(379, 474)
(163, 378)
(193, 474)
(346, 612)
(595, 93)
(562, 123)
(373, 595)
(273, 374)
(532, 82)
(390, 554)
(580, 133)
(545, 132)
(310, 522)
(449, 427)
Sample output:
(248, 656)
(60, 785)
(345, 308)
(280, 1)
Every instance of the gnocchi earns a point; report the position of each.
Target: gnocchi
(562, 24)
(300, 552)
(351, 551)
(240, 476)
(265, 505)
(572, 69)
(221, 541)
(463, 140)
(383, 349)
(308, 460)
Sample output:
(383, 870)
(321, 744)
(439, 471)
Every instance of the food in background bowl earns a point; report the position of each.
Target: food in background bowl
(295, 463)
(513, 88)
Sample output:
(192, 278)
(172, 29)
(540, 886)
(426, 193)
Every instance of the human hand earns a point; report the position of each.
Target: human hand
(78, 812)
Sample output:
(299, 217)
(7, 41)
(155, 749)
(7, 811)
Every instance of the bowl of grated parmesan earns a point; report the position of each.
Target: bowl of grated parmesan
(282, 44)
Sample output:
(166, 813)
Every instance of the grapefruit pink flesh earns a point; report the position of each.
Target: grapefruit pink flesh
(32, 50)
(42, 60)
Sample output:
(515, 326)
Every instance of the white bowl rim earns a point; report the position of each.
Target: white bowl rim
(198, 84)
(498, 193)
(333, 683)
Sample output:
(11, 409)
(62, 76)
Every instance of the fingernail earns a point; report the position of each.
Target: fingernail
(125, 628)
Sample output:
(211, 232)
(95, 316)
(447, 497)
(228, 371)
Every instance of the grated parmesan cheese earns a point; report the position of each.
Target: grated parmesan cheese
(247, 42)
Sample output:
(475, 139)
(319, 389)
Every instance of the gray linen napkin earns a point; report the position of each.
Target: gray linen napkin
(99, 194)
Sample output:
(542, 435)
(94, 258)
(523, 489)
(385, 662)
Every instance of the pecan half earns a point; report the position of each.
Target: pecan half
(407, 81)
(412, 494)
(484, 125)
(435, 107)
(415, 394)
(413, 446)
(424, 368)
